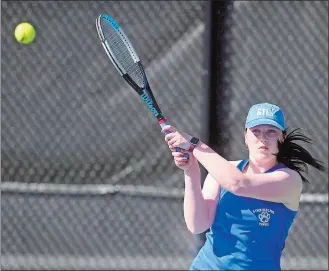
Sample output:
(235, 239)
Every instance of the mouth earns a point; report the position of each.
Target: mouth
(263, 148)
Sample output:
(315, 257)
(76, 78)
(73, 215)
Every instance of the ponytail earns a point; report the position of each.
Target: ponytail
(294, 156)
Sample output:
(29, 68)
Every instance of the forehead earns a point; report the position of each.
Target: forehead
(265, 127)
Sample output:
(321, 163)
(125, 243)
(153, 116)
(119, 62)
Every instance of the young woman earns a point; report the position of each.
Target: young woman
(249, 205)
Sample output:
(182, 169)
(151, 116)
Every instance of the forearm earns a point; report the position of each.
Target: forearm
(226, 174)
(195, 208)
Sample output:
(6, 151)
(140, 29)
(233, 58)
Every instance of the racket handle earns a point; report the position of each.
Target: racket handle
(163, 123)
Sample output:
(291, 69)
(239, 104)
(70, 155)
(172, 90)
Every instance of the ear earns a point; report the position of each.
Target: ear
(284, 135)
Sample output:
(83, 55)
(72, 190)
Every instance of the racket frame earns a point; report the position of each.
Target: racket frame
(145, 92)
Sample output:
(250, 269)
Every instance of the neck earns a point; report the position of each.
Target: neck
(260, 166)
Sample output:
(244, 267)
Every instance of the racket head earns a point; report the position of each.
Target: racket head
(124, 57)
(120, 50)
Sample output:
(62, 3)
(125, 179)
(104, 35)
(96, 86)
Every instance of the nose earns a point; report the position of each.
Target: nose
(263, 137)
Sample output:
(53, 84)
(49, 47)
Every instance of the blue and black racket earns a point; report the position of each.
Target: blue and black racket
(123, 56)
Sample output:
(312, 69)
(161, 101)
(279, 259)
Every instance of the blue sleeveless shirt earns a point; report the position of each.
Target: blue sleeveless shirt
(247, 233)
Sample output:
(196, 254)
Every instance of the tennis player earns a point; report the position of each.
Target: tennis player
(247, 205)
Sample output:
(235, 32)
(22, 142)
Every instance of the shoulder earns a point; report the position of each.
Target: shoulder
(297, 182)
(294, 176)
(292, 173)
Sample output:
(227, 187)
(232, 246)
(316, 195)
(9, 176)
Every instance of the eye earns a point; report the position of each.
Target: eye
(272, 132)
(255, 130)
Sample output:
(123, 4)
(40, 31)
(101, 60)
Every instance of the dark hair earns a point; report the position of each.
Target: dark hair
(294, 156)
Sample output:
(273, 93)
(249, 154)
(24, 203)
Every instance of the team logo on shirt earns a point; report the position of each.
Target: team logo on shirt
(264, 216)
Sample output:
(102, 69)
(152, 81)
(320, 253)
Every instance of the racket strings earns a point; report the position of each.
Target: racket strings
(137, 75)
(122, 54)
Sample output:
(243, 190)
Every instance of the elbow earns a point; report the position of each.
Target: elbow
(197, 229)
(237, 187)
(234, 189)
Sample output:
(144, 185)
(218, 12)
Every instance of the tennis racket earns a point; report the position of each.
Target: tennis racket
(125, 59)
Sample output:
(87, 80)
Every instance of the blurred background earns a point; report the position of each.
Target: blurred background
(87, 181)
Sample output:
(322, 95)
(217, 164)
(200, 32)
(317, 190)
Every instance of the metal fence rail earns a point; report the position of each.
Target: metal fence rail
(76, 229)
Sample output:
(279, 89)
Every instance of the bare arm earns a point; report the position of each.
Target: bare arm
(279, 186)
(195, 209)
(199, 210)
(200, 205)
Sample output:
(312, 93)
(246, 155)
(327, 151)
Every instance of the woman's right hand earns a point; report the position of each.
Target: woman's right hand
(181, 162)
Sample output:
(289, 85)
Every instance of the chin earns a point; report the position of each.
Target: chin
(264, 156)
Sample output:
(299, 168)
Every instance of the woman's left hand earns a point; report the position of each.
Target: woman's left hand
(176, 138)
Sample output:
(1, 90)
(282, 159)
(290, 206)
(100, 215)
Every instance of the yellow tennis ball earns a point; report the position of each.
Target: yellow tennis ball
(24, 33)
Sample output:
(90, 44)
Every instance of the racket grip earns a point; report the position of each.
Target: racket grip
(164, 123)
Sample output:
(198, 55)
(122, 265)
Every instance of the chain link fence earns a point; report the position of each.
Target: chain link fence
(69, 118)
(277, 52)
(87, 181)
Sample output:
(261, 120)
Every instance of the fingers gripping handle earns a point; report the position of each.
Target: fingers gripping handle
(164, 123)
(177, 148)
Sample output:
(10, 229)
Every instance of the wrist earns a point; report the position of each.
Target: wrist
(196, 147)
(194, 167)
(194, 141)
